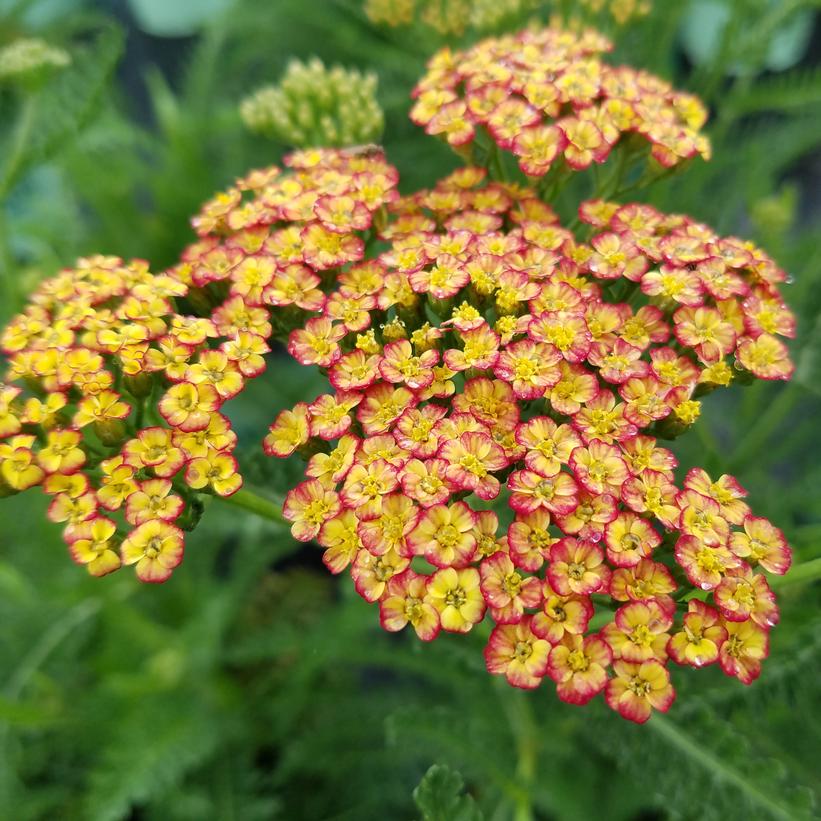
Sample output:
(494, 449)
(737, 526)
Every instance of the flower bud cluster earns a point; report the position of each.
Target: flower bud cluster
(29, 60)
(454, 17)
(546, 97)
(316, 106)
(620, 11)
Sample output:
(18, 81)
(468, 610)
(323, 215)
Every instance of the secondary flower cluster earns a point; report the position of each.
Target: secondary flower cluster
(116, 411)
(454, 17)
(546, 97)
(487, 355)
(313, 105)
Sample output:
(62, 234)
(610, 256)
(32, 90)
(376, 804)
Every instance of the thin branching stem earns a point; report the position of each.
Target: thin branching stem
(255, 502)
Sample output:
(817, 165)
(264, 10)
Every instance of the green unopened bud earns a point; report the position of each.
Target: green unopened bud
(390, 12)
(139, 385)
(316, 106)
(774, 216)
(111, 432)
(29, 61)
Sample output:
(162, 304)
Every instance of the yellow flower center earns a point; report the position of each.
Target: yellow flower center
(523, 651)
(473, 465)
(744, 594)
(639, 686)
(448, 536)
(641, 635)
(316, 511)
(413, 610)
(512, 584)
(735, 647)
(630, 542)
(525, 369)
(153, 548)
(576, 571)
(455, 597)
(545, 490)
(430, 484)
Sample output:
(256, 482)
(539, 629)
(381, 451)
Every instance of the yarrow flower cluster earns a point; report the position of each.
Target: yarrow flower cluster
(454, 17)
(498, 361)
(117, 412)
(314, 106)
(620, 11)
(490, 442)
(546, 97)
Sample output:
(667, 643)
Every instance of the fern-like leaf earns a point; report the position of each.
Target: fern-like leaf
(152, 749)
(67, 103)
(791, 91)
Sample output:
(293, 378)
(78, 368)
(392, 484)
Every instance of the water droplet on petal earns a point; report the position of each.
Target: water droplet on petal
(706, 586)
(698, 661)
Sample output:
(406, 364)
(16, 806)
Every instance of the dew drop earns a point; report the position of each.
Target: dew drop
(698, 661)
(706, 586)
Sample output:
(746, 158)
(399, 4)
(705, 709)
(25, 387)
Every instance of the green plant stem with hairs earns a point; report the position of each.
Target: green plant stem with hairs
(17, 151)
(255, 502)
(520, 719)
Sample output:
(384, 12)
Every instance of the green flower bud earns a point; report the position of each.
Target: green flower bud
(316, 106)
(29, 61)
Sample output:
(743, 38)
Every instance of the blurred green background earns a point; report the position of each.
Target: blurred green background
(253, 685)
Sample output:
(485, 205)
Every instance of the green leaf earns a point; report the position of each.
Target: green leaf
(776, 39)
(150, 750)
(793, 91)
(714, 767)
(64, 106)
(439, 796)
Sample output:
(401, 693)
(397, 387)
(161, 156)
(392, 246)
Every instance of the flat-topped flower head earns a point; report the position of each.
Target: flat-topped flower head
(545, 95)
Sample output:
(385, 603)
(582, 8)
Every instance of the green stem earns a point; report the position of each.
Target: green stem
(255, 503)
(716, 766)
(495, 165)
(49, 641)
(522, 725)
(19, 143)
(16, 154)
(758, 435)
